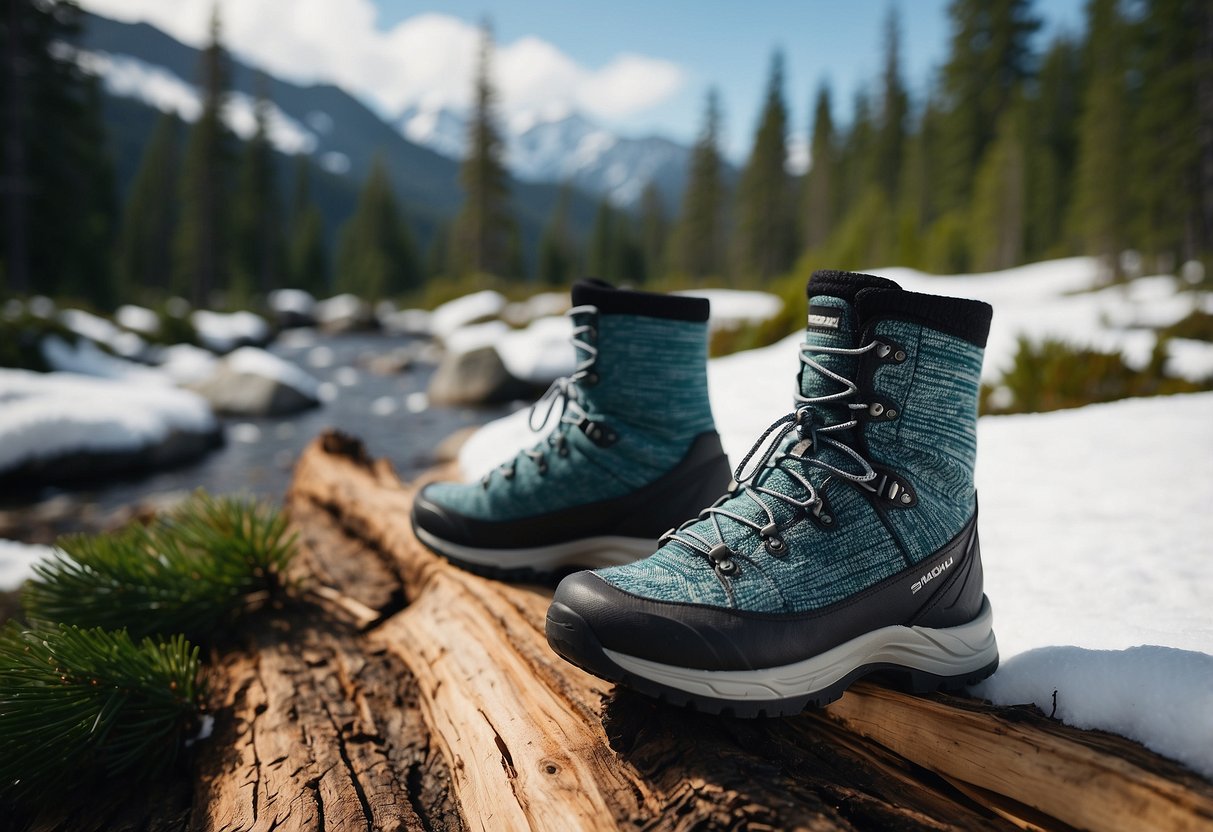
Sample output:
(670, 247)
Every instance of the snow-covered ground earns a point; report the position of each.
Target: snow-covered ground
(1097, 538)
(732, 308)
(1056, 299)
(17, 562)
(461, 312)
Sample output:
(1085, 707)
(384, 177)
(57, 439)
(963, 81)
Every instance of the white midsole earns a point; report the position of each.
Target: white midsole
(587, 552)
(954, 651)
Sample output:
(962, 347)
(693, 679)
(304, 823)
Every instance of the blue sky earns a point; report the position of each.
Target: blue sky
(728, 44)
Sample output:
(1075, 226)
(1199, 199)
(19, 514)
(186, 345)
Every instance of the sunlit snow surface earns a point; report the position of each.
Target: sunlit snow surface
(1096, 526)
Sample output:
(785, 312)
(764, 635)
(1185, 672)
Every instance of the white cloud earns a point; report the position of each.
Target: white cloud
(425, 60)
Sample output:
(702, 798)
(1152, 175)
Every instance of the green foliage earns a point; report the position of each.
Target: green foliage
(202, 241)
(78, 704)
(752, 336)
(819, 198)
(766, 224)
(376, 256)
(307, 259)
(144, 242)
(484, 231)
(614, 253)
(997, 219)
(889, 150)
(654, 233)
(192, 571)
(21, 335)
(257, 233)
(699, 237)
(1052, 375)
(1197, 325)
(557, 250)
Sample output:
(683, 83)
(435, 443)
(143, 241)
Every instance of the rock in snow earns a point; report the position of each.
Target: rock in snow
(475, 376)
(469, 309)
(344, 313)
(225, 331)
(292, 307)
(253, 382)
(59, 427)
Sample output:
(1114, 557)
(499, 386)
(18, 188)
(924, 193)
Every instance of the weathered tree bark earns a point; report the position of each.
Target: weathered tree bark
(505, 735)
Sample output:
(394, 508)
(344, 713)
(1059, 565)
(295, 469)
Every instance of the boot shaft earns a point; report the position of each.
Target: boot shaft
(921, 384)
(647, 366)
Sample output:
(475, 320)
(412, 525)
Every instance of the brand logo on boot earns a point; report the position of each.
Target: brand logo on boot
(824, 317)
(930, 576)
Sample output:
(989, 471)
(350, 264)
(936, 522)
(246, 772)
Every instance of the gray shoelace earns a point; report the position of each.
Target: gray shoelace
(563, 393)
(813, 437)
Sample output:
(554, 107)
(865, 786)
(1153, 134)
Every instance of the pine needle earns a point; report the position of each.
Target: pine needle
(76, 703)
(192, 571)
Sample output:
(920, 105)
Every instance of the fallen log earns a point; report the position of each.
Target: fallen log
(525, 740)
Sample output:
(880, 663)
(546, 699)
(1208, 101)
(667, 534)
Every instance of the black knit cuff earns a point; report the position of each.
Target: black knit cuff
(611, 301)
(845, 285)
(959, 317)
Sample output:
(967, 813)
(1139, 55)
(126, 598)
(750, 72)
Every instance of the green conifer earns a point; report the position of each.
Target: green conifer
(654, 232)
(376, 256)
(996, 234)
(307, 254)
(150, 214)
(257, 224)
(765, 216)
(557, 251)
(819, 200)
(699, 239)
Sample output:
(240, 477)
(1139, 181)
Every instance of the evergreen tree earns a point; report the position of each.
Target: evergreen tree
(997, 217)
(150, 214)
(613, 253)
(990, 57)
(819, 200)
(894, 109)
(698, 242)
(57, 179)
(1052, 145)
(654, 232)
(856, 168)
(484, 227)
(307, 254)
(202, 245)
(1165, 129)
(257, 232)
(1099, 209)
(765, 219)
(557, 251)
(438, 253)
(375, 256)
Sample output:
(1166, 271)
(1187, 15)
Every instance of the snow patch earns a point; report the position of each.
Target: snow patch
(257, 362)
(224, 331)
(185, 363)
(45, 415)
(292, 301)
(17, 562)
(468, 309)
(86, 358)
(138, 318)
(733, 308)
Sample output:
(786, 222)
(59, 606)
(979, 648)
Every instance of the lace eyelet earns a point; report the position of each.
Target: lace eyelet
(591, 379)
(775, 545)
(727, 567)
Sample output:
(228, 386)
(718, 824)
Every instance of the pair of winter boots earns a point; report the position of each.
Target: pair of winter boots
(843, 545)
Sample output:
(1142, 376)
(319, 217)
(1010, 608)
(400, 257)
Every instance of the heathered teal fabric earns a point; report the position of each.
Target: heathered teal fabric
(934, 443)
(652, 391)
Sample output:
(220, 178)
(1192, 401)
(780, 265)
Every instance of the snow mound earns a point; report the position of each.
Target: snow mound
(257, 362)
(475, 336)
(224, 331)
(17, 562)
(1159, 696)
(47, 415)
(540, 353)
(407, 322)
(461, 312)
(96, 328)
(292, 301)
(733, 308)
(85, 358)
(185, 363)
(138, 319)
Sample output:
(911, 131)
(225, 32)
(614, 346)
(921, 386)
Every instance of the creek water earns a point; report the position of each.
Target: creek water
(388, 412)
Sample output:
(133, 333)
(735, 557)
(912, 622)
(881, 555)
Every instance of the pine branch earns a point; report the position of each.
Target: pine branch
(90, 703)
(192, 571)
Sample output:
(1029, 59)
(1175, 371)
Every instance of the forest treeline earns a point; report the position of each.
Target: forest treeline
(1100, 142)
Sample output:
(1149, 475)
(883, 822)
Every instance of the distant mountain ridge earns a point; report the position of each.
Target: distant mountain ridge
(570, 149)
(145, 71)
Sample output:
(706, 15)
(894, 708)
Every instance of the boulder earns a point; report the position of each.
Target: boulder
(253, 382)
(475, 377)
(292, 308)
(345, 313)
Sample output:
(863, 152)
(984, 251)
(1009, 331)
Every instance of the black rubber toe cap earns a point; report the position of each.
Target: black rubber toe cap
(659, 631)
(439, 521)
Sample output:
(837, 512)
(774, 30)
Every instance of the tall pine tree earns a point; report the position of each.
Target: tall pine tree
(376, 256)
(765, 216)
(699, 238)
(1050, 133)
(557, 250)
(1100, 206)
(484, 233)
(894, 110)
(150, 215)
(306, 252)
(996, 230)
(202, 245)
(57, 177)
(257, 217)
(613, 253)
(820, 187)
(654, 232)
(989, 58)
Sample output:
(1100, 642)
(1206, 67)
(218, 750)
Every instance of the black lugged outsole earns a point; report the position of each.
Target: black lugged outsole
(573, 640)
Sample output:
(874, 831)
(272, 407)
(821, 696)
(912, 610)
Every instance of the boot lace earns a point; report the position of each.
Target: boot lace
(814, 436)
(563, 393)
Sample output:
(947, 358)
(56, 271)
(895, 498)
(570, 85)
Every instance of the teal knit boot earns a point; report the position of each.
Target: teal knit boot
(849, 544)
(633, 452)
